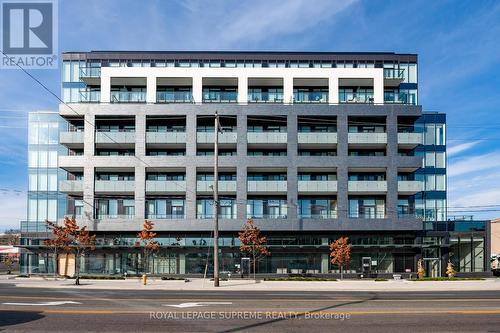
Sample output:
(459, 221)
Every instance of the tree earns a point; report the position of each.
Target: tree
(58, 242)
(450, 271)
(420, 269)
(340, 253)
(253, 243)
(146, 240)
(79, 242)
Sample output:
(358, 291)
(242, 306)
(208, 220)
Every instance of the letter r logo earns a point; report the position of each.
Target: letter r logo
(27, 27)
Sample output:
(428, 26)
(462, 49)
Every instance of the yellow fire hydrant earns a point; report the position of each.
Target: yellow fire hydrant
(144, 279)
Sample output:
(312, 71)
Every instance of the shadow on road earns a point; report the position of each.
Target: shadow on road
(246, 327)
(9, 318)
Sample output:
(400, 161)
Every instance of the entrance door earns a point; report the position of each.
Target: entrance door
(432, 267)
(245, 267)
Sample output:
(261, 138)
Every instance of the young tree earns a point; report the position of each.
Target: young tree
(253, 243)
(145, 239)
(58, 242)
(79, 242)
(340, 253)
(450, 271)
(420, 269)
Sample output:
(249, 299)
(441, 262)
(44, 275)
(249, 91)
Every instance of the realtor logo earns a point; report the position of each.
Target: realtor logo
(29, 34)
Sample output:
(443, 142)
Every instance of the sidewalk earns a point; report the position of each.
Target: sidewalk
(235, 285)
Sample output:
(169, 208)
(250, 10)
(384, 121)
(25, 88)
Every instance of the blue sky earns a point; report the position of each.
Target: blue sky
(457, 43)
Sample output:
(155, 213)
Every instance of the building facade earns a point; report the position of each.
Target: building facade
(314, 146)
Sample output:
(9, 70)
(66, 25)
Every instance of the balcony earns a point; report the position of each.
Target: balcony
(174, 97)
(71, 186)
(278, 138)
(71, 139)
(114, 186)
(157, 138)
(367, 139)
(410, 140)
(320, 138)
(410, 187)
(109, 138)
(223, 138)
(90, 75)
(128, 97)
(353, 97)
(165, 186)
(367, 186)
(310, 97)
(220, 97)
(317, 186)
(267, 186)
(90, 96)
(224, 186)
(393, 77)
(265, 97)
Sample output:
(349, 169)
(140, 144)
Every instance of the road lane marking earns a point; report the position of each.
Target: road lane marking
(43, 304)
(196, 304)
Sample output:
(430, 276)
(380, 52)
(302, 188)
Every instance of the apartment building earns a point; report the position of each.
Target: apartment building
(313, 146)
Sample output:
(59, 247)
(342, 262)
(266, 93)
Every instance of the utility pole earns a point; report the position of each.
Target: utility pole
(216, 201)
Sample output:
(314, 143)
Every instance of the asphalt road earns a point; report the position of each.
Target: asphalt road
(73, 310)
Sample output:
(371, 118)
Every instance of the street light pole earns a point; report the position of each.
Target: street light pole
(216, 201)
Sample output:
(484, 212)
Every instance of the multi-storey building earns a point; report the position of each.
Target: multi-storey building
(314, 146)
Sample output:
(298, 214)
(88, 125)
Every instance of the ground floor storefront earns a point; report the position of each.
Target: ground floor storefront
(190, 254)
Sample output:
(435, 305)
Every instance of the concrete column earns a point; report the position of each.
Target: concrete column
(88, 196)
(197, 89)
(241, 193)
(190, 192)
(333, 90)
(105, 89)
(342, 170)
(241, 171)
(392, 169)
(151, 89)
(190, 134)
(140, 134)
(378, 87)
(243, 90)
(140, 193)
(292, 197)
(288, 90)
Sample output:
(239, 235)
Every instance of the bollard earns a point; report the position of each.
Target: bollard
(144, 279)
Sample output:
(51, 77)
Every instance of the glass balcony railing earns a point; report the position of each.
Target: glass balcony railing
(327, 215)
(311, 97)
(353, 97)
(221, 216)
(265, 97)
(165, 216)
(128, 97)
(114, 216)
(174, 97)
(394, 73)
(90, 96)
(220, 97)
(91, 72)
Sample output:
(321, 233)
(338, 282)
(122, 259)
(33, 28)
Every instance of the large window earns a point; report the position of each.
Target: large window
(267, 208)
(367, 208)
(317, 208)
(165, 208)
(205, 209)
(114, 208)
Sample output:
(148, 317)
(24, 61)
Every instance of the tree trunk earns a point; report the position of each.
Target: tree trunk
(77, 268)
(254, 265)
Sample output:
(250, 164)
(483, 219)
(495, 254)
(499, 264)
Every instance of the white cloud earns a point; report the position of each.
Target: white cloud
(453, 150)
(474, 163)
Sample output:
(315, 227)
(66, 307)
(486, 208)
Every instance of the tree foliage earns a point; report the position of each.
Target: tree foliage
(146, 240)
(340, 253)
(253, 242)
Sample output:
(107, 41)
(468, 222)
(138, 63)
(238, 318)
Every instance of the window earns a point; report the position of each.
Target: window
(267, 208)
(368, 208)
(205, 209)
(165, 208)
(317, 208)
